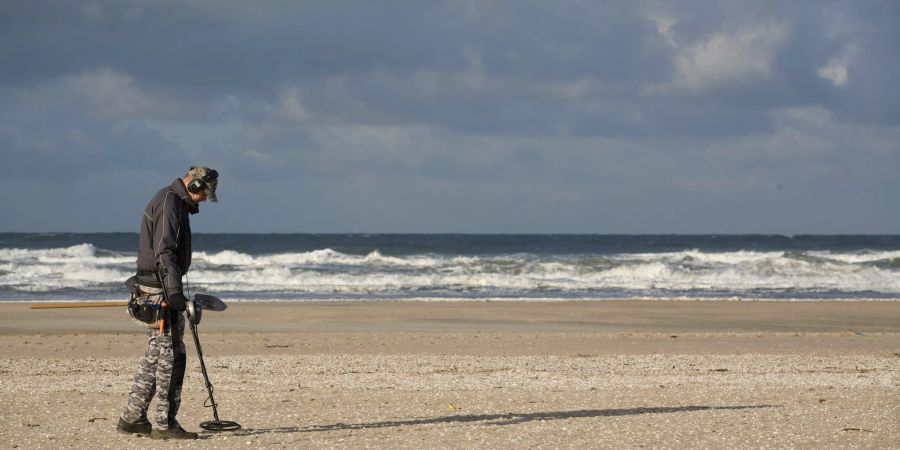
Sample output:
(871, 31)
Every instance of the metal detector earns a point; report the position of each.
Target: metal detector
(194, 309)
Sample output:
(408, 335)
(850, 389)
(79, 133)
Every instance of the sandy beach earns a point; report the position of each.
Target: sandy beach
(602, 374)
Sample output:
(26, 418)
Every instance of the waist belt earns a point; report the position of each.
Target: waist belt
(147, 278)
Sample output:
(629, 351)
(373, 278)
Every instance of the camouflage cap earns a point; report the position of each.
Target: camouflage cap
(210, 179)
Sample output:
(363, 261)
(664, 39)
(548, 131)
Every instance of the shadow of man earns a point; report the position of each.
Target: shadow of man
(497, 419)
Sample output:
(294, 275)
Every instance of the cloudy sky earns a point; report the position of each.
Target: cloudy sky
(455, 116)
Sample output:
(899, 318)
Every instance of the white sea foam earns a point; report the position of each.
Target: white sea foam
(326, 272)
(75, 267)
(858, 257)
(328, 257)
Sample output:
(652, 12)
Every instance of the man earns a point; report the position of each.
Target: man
(164, 256)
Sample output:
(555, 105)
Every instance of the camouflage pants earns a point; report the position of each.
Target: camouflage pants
(160, 372)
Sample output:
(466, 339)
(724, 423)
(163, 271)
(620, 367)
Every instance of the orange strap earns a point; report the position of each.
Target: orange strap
(162, 320)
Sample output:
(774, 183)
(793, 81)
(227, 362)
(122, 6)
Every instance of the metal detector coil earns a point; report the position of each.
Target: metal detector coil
(210, 302)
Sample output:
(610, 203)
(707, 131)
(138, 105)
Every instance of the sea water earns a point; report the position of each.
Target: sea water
(300, 267)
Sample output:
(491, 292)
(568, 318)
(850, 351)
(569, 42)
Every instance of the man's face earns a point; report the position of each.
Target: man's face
(198, 197)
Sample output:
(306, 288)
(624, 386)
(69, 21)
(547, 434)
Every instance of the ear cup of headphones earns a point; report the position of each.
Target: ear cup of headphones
(195, 186)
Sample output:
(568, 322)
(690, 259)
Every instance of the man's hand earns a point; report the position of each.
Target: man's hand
(178, 302)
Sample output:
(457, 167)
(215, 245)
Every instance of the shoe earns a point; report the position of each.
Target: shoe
(141, 427)
(173, 433)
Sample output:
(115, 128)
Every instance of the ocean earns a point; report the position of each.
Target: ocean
(302, 267)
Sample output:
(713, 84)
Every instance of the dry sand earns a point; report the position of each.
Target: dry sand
(605, 374)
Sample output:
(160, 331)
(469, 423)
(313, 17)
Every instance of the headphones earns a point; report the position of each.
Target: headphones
(198, 184)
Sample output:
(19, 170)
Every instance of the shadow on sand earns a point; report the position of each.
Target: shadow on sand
(496, 419)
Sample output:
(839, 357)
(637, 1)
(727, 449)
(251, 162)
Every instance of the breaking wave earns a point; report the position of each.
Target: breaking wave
(325, 273)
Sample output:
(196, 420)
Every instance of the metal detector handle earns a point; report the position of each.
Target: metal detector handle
(160, 274)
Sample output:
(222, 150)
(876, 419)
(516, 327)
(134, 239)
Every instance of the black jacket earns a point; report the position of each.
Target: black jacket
(166, 236)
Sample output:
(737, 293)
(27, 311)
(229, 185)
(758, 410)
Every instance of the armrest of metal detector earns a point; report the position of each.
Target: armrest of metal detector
(210, 302)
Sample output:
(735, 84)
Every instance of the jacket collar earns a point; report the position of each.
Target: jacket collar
(178, 187)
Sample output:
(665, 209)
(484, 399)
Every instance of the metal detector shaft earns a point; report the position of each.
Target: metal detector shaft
(216, 424)
(209, 387)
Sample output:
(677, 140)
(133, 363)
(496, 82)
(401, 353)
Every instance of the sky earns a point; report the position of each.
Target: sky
(458, 116)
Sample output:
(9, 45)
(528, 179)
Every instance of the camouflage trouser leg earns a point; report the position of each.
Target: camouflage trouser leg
(161, 372)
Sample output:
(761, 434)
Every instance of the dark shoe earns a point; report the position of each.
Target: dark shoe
(172, 433)
(141, 427)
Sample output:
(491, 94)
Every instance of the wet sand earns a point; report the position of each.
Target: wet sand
(624, 374)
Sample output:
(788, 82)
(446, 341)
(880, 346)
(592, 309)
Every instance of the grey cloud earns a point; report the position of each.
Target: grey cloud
(206, 47)
(208, 50)
(468, 115)
(78, 126)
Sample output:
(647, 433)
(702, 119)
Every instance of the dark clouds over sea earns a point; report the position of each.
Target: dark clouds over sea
(465, 116)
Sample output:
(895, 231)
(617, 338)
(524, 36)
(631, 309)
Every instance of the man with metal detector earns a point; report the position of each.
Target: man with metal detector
(164, 256)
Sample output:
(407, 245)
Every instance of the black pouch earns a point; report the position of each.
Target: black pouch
(143, 311)
(142, 307)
